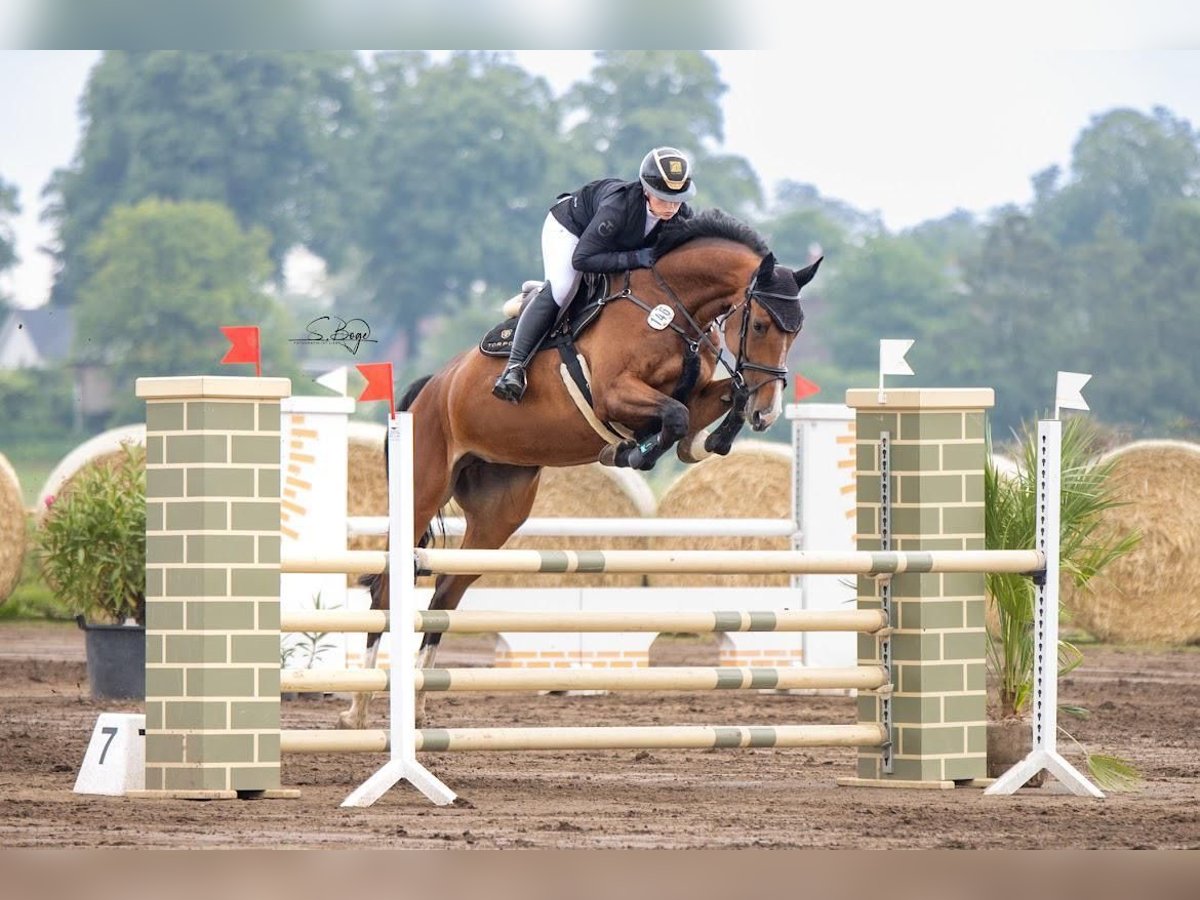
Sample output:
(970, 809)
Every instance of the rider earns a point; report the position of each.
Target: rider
(607, 225)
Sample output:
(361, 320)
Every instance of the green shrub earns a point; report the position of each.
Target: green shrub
(92, 541)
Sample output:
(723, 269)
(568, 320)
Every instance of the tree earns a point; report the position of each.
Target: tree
(164, 278)
(272, 136)
(465, 162)
(891, 287)
(1125, 164)
(1148, 356)
(8, 242)
(802, 222)
(638, 99)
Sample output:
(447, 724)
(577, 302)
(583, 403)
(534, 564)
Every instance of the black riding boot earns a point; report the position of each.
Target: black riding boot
(536, 320)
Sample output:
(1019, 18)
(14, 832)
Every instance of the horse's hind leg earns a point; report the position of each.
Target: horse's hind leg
(495, 500)
(356, 715)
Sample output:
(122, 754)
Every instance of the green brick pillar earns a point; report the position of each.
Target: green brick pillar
(938, 646)
(212, 586)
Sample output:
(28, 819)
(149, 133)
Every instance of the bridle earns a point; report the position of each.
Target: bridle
(701, 335)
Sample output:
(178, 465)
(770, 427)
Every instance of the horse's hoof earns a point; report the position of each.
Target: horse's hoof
(346, 721)
(616, 455)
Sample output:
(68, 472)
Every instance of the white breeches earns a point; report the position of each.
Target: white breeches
(558, 246)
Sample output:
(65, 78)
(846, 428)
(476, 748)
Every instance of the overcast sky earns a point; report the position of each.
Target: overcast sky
(910, 129)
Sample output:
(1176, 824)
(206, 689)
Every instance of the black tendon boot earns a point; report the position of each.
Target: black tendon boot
(536, 320)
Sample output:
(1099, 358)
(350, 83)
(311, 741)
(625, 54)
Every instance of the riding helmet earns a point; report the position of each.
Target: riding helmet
(667, 174)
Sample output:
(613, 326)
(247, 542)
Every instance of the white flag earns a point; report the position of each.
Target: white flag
(335, 381)
(1068, 391)
(891, 357)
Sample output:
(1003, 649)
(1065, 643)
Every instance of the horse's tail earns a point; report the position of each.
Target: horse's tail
(410, 393)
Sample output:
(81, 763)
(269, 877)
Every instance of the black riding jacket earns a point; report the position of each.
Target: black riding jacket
(609, 216)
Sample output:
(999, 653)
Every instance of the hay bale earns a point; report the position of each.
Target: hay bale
(591, 491)
(580, 491)
(753, 482)
(366, 479)
(103, 449)
(12, 529)
(1149, 595)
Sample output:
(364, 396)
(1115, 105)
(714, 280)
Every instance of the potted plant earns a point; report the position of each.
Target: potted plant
(92, 544)
(1084, 551)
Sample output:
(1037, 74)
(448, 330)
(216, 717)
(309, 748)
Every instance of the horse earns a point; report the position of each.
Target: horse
(652, 355)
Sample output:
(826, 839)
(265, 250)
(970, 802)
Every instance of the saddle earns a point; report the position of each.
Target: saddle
(573, 319)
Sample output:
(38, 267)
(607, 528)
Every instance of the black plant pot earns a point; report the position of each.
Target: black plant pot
(116, 660)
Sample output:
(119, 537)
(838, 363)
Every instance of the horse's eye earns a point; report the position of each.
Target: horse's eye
(760, 327)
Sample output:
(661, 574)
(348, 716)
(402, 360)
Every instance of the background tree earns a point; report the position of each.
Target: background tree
(1066, 284)
(272, 136)
(1125, 164)
(1150, 339)
(890, 287)
(9, 207)
(164, 278)
(802, 222)
(464, 165)
(637, 99)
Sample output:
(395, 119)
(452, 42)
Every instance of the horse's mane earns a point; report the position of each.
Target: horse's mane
(709, 223)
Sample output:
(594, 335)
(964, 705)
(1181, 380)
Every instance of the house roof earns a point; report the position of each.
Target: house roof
(50, 328)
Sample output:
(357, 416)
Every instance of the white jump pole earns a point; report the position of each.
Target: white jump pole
(1044, 754)
(403, 601)
(585, 527)
(713, 562)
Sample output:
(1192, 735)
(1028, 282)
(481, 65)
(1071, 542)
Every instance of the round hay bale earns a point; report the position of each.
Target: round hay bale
(753, 482)
(580, 491)
(591, 491)
(12, 529)
(103, 449)
(366, 479)
(1148, 595)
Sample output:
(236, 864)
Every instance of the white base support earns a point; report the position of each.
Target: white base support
(391, 774)
(1012, 780)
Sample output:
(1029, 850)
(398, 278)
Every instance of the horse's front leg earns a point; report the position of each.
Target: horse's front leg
(707, 406)
(631, 402)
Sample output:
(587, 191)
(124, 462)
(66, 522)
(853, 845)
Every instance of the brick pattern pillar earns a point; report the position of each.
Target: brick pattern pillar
(939, 644)
(212, 586)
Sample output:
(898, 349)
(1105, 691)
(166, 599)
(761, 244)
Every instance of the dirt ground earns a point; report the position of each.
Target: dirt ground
(1143, 703)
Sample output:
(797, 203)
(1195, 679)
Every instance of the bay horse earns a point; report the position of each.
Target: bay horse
(713, 277)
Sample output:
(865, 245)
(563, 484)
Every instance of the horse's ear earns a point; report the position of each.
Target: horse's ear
(805, 275)
(766, 268)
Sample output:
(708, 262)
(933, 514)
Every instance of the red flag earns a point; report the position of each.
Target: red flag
(379, 384)
(244, 347)
(805, 388)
